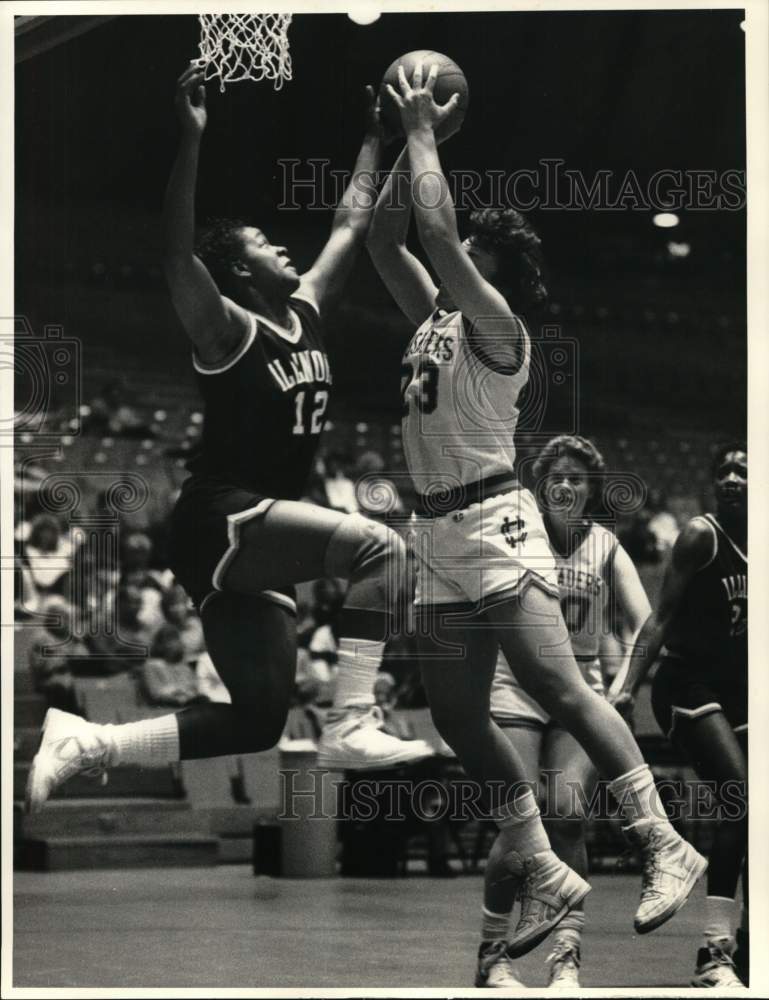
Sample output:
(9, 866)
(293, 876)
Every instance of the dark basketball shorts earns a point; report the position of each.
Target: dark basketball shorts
(205, 537)
(683, 689)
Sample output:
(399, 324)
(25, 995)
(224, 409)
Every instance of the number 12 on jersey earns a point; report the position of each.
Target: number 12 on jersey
(319, 404)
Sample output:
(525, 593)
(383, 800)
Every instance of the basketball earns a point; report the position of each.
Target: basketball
(450, 80)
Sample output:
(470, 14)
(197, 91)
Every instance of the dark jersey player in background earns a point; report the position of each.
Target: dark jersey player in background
(700, 695)
(240, 536)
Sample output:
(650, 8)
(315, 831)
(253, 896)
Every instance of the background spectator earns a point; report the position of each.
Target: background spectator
(48, 554)
(166, 678)
(135, 560)
(662, 524)
(210, 683)
(328, 597)
(52, 653)
(338, 487)
(120, 649)
(178, 611)
(113, 413)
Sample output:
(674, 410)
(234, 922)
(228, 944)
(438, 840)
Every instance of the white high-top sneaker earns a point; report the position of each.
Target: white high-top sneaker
(671, 869)
(564, 961)
(715, 966)
(547, 889)
(496, 969)
(356, 742)
(68, 745)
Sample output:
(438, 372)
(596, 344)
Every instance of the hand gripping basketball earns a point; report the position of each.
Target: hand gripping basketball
(450, 80)
(417, 103)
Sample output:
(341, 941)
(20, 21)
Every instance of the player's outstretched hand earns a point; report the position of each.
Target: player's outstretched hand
(375, 122)
(417, 104)
(190, 99)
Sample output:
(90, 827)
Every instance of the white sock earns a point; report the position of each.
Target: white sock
(148, 743)
(358, 664)
(637, 797)
(569, 930)
(520, 826)
(494, 926)
(719, 916)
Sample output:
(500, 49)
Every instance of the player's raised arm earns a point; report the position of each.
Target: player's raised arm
(352, 217)
(479, 300)
(405, 276)
(693, 549)
(629, 596)
(214, 324)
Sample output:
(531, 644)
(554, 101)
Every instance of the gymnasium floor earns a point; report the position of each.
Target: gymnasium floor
(221, 927)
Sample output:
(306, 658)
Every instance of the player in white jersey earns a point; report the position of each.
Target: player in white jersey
(486, 576)
(597, 580)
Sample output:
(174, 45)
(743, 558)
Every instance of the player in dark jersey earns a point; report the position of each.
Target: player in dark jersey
(240, 537)
(699, 693)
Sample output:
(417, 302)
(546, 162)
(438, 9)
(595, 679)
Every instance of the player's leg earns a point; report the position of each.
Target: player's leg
(691, 715)
(535, 641)
(252, 641)
(378, 594)
(495, 968)
(717, 757)
(270, 546)
(569, 778)
(458, 688)
(741, 954)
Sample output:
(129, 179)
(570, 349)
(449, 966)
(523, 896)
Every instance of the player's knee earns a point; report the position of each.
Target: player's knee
(360, 547)
(566, 701)
(257, 731)
(259, 721)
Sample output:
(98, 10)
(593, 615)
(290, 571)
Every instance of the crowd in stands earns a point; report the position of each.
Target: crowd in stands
(126, 615)
(90, 614)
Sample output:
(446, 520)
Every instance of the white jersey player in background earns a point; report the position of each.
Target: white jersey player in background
(486, 576)
(599, 587)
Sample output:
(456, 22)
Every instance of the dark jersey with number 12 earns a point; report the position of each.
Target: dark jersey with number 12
(265, 406)
(712, 623)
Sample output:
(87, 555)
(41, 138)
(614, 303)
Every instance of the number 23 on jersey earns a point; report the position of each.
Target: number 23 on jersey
(425, 379)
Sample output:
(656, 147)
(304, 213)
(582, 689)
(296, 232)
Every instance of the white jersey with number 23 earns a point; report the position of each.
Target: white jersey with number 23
(459, 414)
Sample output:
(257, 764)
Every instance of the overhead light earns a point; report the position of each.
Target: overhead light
(679, 249)
(665, 220)
(364, 11)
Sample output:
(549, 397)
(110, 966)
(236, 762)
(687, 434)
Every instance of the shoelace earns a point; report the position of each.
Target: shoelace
(523, 896)
(561, 952)
(721, 967)
(97, 764)
(373, 716)
(719, 955)
(651, 865)
(92, 763)
(496, 952)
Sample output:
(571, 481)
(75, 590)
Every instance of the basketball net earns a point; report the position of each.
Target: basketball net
(238, 47)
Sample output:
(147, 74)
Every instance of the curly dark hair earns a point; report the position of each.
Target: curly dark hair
(510, 236)
(722, 450)
(218, 244)
(584, 451)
